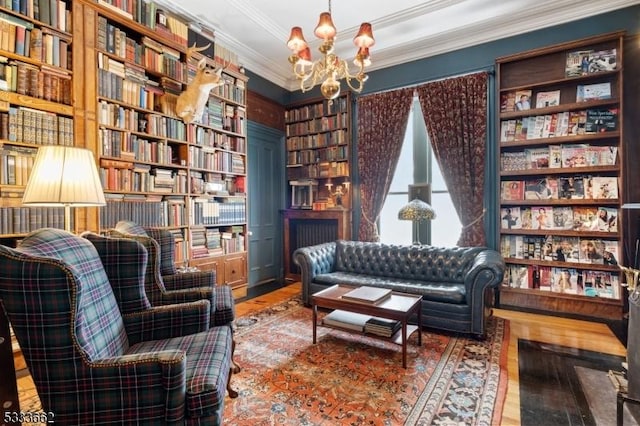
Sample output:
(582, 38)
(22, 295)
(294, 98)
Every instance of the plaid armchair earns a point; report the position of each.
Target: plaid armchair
(93, 364)
(165, 285)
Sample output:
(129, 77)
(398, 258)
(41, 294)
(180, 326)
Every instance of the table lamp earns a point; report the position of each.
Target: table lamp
(64, 176)
(417, 211)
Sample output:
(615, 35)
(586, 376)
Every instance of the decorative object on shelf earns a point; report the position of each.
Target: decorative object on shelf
(330, 68)
(417, 211)
(190, 104)
(340, 192)
(303, 193)
(64, 176)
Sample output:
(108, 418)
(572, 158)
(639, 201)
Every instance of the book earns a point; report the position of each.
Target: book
(348, 320)
(590, 92)
(382, 326)
(547, 99)
(366, 294)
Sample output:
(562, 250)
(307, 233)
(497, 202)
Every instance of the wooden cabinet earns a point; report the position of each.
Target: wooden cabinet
(157, 170)
(231, 269)
(561, 188)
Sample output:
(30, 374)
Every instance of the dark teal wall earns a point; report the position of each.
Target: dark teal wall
(476, 58)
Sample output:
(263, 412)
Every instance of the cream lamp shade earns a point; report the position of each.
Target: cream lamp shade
(64, 176)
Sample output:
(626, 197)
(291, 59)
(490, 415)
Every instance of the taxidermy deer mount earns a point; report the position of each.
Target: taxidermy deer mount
(191, 102)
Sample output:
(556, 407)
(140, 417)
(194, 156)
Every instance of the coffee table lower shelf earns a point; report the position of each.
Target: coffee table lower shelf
(395, 338)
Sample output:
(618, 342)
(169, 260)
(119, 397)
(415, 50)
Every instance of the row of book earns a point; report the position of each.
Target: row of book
(44, 82)
(317, 125)
(362, 323)
(131, 147)
(53, 13)
(147, 210)
(559, 156)
(29, 125)
(202, 136)
(231, 89)
(318, 140)
(567, 123)
(575, 187)
(21, 220)
(216, 241)
(333, 153)
(560, 249)
(116, 175)
(320, 170)
(16, 163)
(211, 211)
(315, 110)
(577, 218)
(216, 160)
(563, 280)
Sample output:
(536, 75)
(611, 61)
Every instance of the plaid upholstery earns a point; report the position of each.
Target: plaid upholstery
(86, 367)
(164, 285)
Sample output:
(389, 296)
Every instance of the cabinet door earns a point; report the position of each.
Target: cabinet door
(235, 270)
(210, 264)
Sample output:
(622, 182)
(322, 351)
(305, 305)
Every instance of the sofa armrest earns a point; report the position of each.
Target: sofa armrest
(486, 272)
(312, 261)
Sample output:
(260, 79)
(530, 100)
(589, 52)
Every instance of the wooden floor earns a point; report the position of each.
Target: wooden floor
(561, 331)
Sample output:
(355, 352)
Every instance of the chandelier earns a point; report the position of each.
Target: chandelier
(329, 69)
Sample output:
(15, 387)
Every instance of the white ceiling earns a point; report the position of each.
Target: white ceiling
(405, 30)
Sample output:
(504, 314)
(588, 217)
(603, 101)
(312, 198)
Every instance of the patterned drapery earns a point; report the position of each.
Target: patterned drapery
(455, 111)
(382, 121)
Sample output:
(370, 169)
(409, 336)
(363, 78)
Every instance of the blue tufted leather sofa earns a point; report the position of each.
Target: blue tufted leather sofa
(456, 283)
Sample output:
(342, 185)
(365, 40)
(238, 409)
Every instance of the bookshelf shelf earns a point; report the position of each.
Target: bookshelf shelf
(561, 177)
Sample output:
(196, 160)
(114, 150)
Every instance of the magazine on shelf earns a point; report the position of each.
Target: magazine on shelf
(585, 218)
(604, 187)
(607, 219)
(564, 280)
(547, 99)
(555, 156)
(577, 63)
(571, 187)
(542, 217)
(577, 120)
(512, 190)
(592, 92)
(611, 252)
(602, 61)
(601, 120)
(574, 155)
(537, 158)
(525, 217)
(510, 161)
(541, 189)
(510, 218)
(523, 100)
(366, 294)
(562, 217)
(591, 251)
(566, 249)
(508, 102)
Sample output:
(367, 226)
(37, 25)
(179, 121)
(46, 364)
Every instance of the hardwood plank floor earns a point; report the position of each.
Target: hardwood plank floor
(547, 329)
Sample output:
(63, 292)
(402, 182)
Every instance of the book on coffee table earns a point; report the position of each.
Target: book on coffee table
(382, 326)
(366, 294)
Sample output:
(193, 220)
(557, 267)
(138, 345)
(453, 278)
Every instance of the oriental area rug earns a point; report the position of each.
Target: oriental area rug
(349, 379)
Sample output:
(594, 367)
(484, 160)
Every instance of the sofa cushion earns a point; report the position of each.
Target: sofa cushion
(448, 292)
(416, 262)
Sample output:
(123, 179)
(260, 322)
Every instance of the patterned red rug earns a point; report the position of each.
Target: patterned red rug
(348, 379)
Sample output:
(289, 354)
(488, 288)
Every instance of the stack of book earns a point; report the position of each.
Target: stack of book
(347, 320)
(382, 327)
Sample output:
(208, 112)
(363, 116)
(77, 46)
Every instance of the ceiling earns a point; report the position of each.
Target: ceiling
(405, 30)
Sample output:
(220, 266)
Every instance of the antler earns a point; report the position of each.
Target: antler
(191, 50)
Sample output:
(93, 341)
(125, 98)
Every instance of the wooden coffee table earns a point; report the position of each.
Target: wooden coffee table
(399, 307)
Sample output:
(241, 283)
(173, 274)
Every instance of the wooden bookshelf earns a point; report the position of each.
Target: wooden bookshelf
(561, 180)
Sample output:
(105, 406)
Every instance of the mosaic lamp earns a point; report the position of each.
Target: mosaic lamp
(417, 211)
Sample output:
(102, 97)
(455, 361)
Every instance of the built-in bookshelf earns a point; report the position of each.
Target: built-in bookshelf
(35, 103)
(560, 121)
(157, 170)
(319, 154)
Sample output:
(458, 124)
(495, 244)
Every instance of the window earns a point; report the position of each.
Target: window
(417, 164)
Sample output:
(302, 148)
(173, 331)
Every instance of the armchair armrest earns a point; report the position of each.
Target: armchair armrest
(486, 273)
(314, 260)
(160, 376)
(184, 280)
(165, 322)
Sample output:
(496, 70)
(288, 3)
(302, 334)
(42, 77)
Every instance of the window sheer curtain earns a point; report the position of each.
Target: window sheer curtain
(382, 121)
(455, 112)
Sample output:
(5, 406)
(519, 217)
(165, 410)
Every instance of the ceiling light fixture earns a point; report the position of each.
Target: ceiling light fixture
(330, 69)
